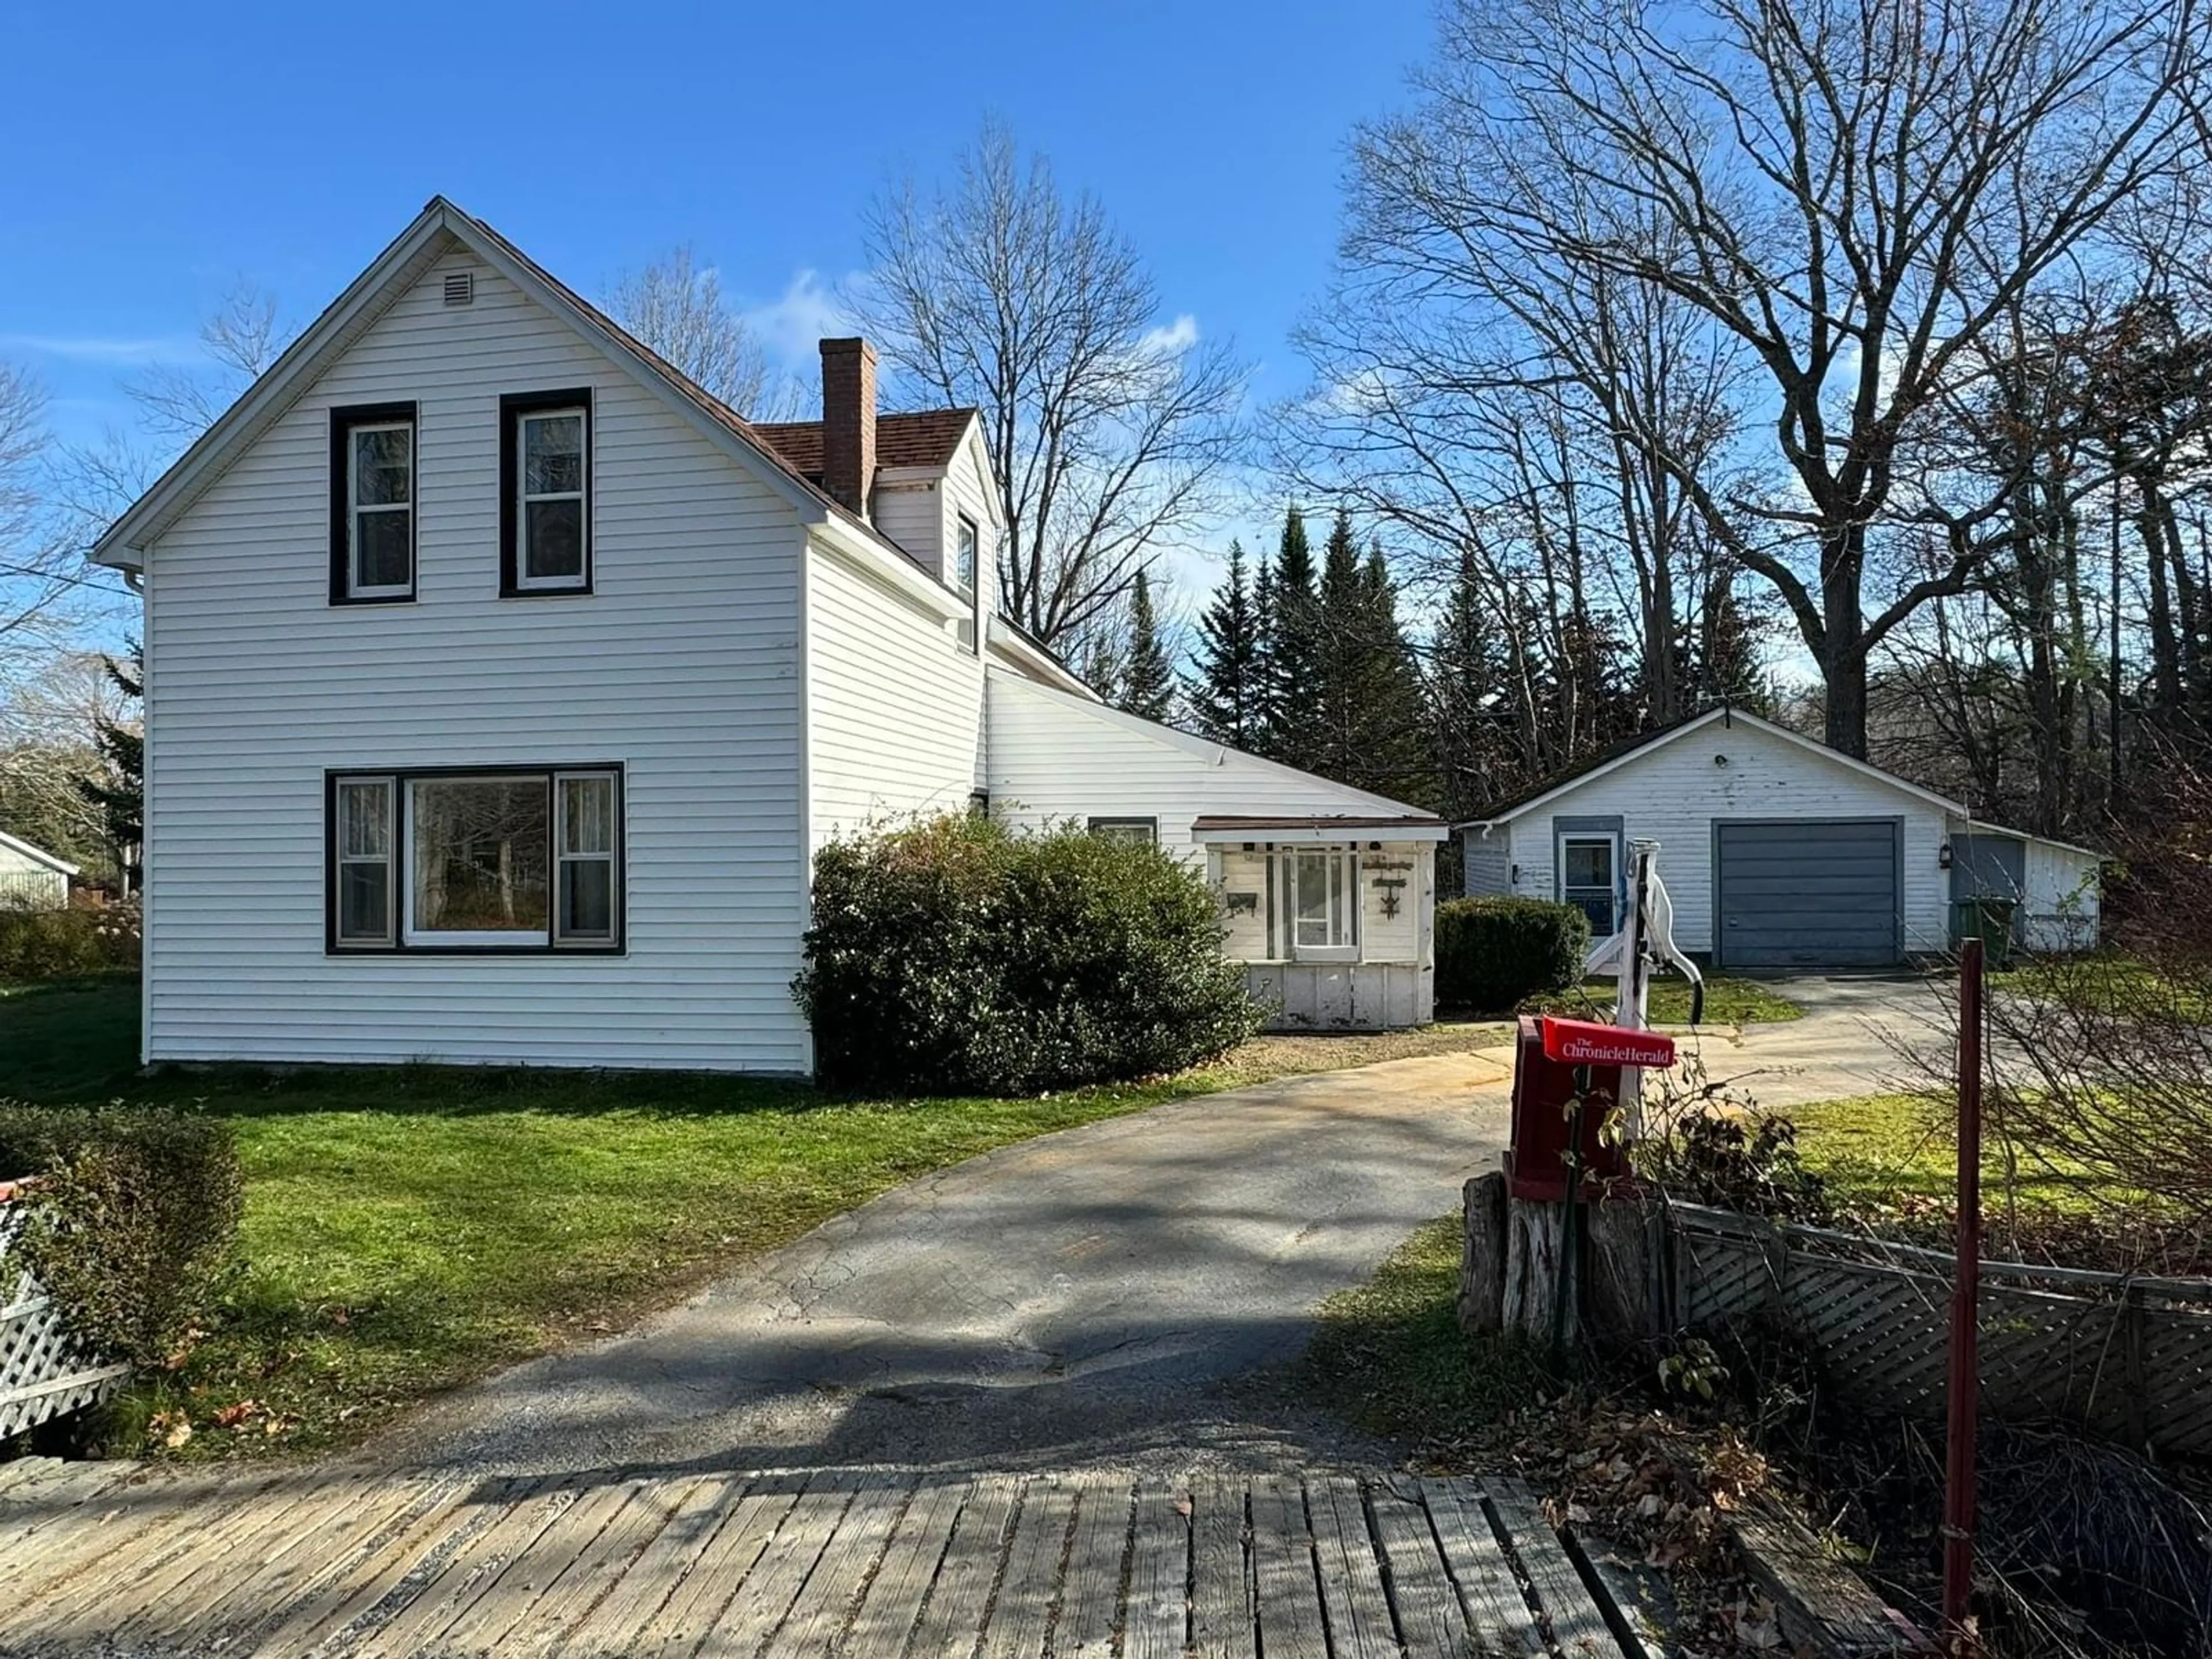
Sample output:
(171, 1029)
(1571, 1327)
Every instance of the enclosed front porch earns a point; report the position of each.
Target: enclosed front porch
(1332, 917)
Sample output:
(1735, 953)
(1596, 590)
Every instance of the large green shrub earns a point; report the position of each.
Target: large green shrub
(1493, 952)
(132, 1222)
(39, 945)
(951, 956)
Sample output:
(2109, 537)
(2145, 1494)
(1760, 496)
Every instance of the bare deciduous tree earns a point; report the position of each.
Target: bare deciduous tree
(243, 336)
(1852, 193)
(1109, 424)
(42, 592)
(675, 305)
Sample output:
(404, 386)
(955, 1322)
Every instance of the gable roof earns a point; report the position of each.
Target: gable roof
(440, 226)
(1621, 754)
(1220, 753)
(922, 438)
(38, 853)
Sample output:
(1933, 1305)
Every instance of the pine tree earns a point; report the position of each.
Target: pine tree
(120, 793)
(1226, 697)
(1396, 755)
(1147, 679)
(1470, 722)
(1293, 655)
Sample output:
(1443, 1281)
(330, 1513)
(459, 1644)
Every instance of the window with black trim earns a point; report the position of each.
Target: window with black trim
(1144, 831)
(373, 504)
(966, 542)
(545, 492)
(481, 859)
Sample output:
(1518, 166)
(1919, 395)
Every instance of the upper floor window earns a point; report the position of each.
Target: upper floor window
(963, 562)
(372, 503)
(545, 507)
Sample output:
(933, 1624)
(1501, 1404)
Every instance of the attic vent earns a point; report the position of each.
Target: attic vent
(460, 287)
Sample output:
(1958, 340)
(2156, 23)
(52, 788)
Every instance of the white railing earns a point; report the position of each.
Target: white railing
(43, 1371)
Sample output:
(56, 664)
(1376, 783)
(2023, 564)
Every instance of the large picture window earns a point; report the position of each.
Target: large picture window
(545, 506)
(373, 504)
(501, 859)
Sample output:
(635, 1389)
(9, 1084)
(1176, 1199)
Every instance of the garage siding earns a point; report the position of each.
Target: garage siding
(1802, 893)
(1674, 793)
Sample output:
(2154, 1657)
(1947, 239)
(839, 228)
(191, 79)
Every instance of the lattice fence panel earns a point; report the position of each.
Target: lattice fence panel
(2129, 1360)
(43, 1373)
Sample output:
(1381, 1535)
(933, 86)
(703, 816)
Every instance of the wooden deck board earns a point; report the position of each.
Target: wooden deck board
(891, 1605)
(695, 1508)
(1429, 1614)
(952, 1619)
(748, 1526)
(772, 1587)
(1351, 1590)
(1577, 1628)
(832, 1589)
(1091, 1566)
(1287, 1593)
(1221, 1616)
(1020, 1619)
(1091, 1591)
(1156, 1621)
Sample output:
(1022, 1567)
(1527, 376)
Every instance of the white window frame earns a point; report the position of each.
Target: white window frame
(1144, 831)
(524, 581)
(340, 859)
(356, 588)
(1343, 867)
(1610, 838)
(975, 533)
(612, 857)
(510, 939)
(404, 936)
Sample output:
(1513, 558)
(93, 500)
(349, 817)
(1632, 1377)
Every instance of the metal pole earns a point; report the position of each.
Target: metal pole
(1965, 1301)
(1569, 1287)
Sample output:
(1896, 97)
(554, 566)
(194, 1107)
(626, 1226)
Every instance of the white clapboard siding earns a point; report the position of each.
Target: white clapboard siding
(684, 665)
(1673, 792)
(1053, 756)
(895, 703)
(2063, 897)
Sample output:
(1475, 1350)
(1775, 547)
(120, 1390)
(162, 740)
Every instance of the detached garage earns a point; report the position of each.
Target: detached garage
(1779, 852)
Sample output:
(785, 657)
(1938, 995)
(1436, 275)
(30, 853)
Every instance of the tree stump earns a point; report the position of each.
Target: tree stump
(1482, 1254)
(1608, 1304)
(1535, 1243)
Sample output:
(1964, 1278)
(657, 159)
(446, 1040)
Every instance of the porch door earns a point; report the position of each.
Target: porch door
(1323, 904)
(1589, 876)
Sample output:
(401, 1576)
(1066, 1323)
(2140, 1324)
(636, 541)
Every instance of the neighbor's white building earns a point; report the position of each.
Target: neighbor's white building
(500, 684)
(31, 878)
(1779, 852)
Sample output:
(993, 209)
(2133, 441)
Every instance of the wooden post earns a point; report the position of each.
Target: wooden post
(1482, 1255)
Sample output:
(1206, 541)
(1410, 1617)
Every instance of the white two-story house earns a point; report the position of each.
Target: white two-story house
(500, 684)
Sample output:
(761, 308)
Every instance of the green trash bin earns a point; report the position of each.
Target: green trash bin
(1988, 919)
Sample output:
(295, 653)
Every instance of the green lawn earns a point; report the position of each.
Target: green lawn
(1728, 1001)
(1389, 1355)
(409, 1229)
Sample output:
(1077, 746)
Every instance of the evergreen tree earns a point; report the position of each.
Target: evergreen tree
(121, 793)
(1294, 648)
(1226, 698)
(1147, 679)
(1399, 759)
(1366, 696)
(1470, 717)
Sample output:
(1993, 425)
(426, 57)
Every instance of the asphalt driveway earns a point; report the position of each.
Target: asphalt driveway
(1090, 1297)
(1106, 1295)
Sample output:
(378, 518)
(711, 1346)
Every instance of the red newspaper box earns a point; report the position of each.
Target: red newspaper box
(1547, 1055)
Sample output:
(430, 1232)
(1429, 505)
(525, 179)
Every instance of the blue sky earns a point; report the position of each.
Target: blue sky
(182, 148)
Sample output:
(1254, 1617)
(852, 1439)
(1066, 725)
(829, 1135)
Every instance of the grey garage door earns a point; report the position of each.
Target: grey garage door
(1806, 893)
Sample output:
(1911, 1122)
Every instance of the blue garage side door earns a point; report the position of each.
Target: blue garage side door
(1808, 893)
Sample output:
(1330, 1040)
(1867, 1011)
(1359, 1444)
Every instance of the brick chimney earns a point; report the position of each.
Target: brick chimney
(848, 421)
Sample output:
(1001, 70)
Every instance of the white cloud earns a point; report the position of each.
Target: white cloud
(1171, 341)
(791, 329)
(98, 348)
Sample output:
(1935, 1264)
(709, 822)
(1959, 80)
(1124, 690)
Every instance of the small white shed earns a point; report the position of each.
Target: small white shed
(1779, 852)
(32, 879)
